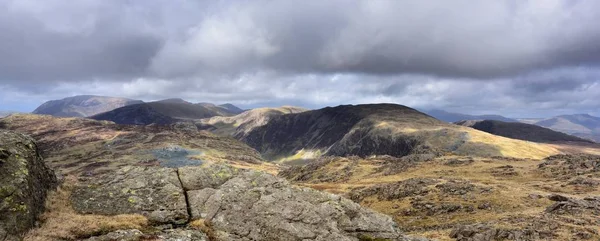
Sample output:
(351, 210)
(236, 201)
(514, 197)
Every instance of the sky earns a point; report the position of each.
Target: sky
(518, 58)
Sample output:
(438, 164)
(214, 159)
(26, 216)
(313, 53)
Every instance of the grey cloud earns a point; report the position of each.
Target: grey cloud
(464, 55)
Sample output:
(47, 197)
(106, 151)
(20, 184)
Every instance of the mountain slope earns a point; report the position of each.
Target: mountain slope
(83, 105)
(454, 117)
(378, 129)
(582, 125)
(521, 131)
(240, 125)
(231, 108)
(161, 112)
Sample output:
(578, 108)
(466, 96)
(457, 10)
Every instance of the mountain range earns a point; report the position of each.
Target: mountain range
(376, 129)
(521, 131)
(454, 117)
(83, 105)
(176, 170)
(165, 112)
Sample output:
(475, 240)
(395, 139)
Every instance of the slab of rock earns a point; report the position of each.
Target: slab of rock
(199, 177)
(165, 235)
(154, 192)
(566, 205)
(24, 183)
(258, 206)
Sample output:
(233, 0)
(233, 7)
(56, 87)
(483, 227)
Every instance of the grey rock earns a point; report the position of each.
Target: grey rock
(165, 235)
(24, 183)
(151, 191)
(120, 235)
(181, 235)
(199, 177)
(258, 206)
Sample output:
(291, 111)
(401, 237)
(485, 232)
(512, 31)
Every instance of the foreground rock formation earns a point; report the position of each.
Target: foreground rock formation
(24, 183)
(231, 204)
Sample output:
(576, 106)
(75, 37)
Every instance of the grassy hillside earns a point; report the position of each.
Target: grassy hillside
(521, 131)
(379, 129)
(240, 125)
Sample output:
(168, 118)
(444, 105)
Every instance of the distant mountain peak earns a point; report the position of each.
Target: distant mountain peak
(83, 105)
(174, 100)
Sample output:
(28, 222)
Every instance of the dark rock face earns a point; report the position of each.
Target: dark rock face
(24, 183)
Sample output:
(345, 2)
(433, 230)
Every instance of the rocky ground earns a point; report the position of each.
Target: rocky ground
(127, 197)
(468, 198)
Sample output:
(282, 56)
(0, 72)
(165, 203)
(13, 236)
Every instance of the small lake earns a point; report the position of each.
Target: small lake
(176, 156)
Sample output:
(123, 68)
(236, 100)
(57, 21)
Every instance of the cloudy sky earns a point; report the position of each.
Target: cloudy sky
(512, 57)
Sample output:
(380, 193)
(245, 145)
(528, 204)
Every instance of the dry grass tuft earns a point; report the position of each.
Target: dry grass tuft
(205, 226)
(61, 222)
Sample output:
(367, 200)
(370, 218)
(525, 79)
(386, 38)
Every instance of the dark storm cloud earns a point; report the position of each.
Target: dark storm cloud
(476, 55)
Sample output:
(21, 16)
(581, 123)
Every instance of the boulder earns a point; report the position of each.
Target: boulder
(258, 206)
(154, 192)
(24, 183)
(165, 235)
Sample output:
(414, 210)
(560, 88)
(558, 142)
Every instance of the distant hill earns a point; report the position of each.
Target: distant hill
(240, 125)
(231, 108)
(454, 117)
(582, 125)
(521, 131)
(378, 129)
(83, 105)
(223, 110)
(162, 112)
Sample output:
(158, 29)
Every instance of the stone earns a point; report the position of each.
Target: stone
(154, 192)
(258, 206)
(210, 176)
(121, 235)
(24, 183)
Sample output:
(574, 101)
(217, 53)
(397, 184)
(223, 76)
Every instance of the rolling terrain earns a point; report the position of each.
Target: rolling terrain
(454, 117)
(83, 105)
(469, 198)
(522, 131)
(163, 112)
(378, 129)
(581, 125)
(240, 125)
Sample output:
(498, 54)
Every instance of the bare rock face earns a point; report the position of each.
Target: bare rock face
(234, 204)
(166, 235)
(154, 192)
(24, 183)
(258, 206)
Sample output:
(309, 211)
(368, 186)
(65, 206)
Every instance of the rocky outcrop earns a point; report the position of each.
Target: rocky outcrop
(567, 166)
(234, 204)
(154, 192)
(24, 183)
(165, 235)
(574, 206)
